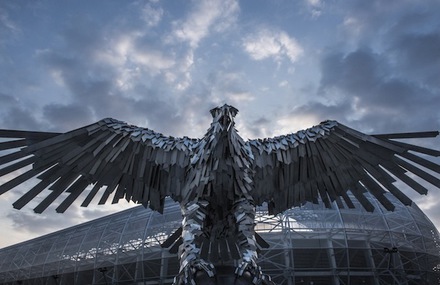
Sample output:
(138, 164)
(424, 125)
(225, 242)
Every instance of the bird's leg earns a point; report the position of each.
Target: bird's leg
(244, 212)
(189, 253)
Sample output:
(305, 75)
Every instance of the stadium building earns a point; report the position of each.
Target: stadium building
(308, 245)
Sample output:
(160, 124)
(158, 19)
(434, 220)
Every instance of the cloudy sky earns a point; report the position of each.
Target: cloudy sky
(286, 65)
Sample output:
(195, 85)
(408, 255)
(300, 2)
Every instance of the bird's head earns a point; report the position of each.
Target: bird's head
(224, 116)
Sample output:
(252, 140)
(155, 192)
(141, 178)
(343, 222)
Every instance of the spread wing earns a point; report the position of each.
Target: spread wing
(117, 159)
(326, 161)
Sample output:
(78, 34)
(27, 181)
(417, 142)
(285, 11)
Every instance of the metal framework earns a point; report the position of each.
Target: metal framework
(308, 245)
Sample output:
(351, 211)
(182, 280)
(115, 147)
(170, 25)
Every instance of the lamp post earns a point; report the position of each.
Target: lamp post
(103, 270)
(390, 252)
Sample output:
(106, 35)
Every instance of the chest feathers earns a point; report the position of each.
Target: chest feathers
(220, 168)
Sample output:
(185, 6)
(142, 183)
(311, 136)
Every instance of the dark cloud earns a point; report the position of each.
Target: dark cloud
(8, 27)
(355, 72)
(418, 56)
(256, 127)
(67, 117)
(82, 75)
(83, 35)
(373, 93)
(94, 91)
(377, 17)
(340, 112)
(92, 85)
(7, 100)
(419, 50)
(19, 118)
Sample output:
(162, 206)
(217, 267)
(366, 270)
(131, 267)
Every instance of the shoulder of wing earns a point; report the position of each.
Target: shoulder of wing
(147, 136)
(294, 139)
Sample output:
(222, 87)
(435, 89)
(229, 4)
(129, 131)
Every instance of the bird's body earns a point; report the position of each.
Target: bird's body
(220, 168)
(217, 205)
(218, 179)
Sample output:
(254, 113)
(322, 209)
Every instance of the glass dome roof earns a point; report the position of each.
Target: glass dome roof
(308, 245)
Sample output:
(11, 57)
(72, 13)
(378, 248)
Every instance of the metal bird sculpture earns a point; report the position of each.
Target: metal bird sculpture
(218, 179)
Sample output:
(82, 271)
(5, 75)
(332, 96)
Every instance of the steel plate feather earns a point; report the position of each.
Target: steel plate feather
(338, 158)
(75, 190)
(321, 158)
(416, 148)
(94, 155)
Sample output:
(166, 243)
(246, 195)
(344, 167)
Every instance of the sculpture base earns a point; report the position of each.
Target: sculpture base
(225, 276)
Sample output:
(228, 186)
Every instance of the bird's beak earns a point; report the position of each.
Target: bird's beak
(227, 121)
(224, 117)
